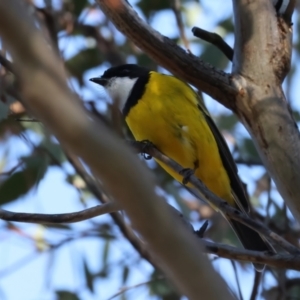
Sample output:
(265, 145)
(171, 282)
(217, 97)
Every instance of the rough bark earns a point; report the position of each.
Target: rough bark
(261, 61)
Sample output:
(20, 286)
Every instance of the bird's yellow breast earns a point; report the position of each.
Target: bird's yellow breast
(168, 116)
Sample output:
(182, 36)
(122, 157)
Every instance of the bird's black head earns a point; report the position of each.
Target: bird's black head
(129, 70)
(120, 81)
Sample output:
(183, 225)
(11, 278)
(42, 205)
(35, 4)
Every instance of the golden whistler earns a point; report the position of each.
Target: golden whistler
(167, 112)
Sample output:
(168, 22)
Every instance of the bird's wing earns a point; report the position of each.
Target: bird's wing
(237, 187)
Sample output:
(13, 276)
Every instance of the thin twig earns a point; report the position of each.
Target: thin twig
(48, 23)
(237, 279)
(28, 120)
(248, 162)
(60, 218)
(215, 39)
(256, 283)
(6, 63)
(175, 5)
(269, 203)
(284, 261)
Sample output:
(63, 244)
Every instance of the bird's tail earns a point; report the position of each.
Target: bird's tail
(251, 240)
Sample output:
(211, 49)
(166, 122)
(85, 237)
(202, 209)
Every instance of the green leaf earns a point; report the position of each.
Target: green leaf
(163, 288)
(125, 274)
(214, 56)
(33, 126)
(227, 122)
(248, 150)
(150, 7)
(89, 277)
(55, 150)
(106, 252)
(58, 226)
(10, 127)
(4, 109)
(145, 61)
(294, 290)
(79, 6)
(75, 7)
(291, 290)
(66, 295)
(19, 183)
(296, 115)
(227, 25)
(36, 165)
(86, 59)
(297, 41)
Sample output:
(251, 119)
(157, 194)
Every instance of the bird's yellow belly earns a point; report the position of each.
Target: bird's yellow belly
(185, 139)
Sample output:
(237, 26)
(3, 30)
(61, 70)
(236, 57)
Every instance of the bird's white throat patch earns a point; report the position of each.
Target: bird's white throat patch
(119, 89)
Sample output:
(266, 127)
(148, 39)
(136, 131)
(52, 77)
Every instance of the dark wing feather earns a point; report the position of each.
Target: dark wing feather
(249, 238)
(236, 184)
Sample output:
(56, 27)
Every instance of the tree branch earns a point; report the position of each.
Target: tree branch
(285, 261)
(60, 218)
(6, 63)
(216, 201)
(46, 93)
(257, 278)
(175, 5)
(215, 39)
(202, 75)
(261, 61)
(285, 8)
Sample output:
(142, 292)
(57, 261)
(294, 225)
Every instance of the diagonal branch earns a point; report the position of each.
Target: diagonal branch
(6, 63)
(60, 218)
(285, 261)
(215, 39)
(175, 5)
(216, 201)
(202, 75)
(256, 283)
(95, 189)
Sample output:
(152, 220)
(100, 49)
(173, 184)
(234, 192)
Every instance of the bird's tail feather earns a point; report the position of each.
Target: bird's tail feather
(251, 240)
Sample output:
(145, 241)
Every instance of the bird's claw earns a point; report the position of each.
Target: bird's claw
(146, 145)
(186, 173)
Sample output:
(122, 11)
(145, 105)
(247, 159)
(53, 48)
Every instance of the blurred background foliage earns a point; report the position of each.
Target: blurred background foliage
(105, 264)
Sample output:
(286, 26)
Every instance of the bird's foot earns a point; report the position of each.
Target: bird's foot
(186, 173)
(146, 145)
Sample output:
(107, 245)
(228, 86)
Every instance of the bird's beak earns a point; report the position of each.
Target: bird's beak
(99, 80)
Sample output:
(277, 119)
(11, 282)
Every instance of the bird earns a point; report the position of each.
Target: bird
(168, 113)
